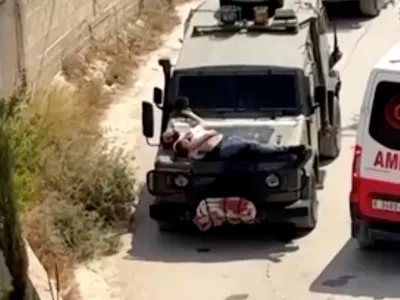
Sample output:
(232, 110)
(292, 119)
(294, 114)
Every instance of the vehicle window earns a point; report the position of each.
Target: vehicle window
(208, 91)
(385, 117)
(267, 91)
(244, 92)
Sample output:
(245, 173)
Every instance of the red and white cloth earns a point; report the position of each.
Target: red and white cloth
(217, 211)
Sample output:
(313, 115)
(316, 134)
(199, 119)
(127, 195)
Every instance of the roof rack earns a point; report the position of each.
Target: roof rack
(284, 21)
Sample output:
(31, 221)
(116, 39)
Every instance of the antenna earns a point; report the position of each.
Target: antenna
(337, 53)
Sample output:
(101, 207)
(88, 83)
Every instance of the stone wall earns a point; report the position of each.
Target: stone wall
(49, 31)
(9, 58)
(38, 288)
(54, 29)
(5, 277)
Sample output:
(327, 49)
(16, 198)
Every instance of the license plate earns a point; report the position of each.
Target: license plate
(386, 205)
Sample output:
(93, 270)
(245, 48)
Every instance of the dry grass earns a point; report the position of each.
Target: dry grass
(118, 55)
(73, 195)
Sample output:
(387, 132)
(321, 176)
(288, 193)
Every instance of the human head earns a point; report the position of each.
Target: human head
(181, 147)
(169, 138)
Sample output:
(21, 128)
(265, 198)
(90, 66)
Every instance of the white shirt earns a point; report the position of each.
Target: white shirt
(196, 134)
(198, 145)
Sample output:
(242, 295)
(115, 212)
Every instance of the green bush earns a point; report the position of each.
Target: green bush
(73, 190)
(11, 243)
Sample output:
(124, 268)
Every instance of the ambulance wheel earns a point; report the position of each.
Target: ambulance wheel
(361, 234)
(366, 244)
(309, 222)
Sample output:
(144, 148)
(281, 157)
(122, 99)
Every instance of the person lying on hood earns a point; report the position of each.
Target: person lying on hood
(200, 143)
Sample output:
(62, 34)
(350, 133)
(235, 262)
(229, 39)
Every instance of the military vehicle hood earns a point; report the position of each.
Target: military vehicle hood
(283, 131)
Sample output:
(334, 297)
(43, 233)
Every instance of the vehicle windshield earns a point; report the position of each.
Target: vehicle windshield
(265, 92)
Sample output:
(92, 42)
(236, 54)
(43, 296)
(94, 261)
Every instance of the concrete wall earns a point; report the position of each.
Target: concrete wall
(5, 277)
(38, 288)
(54, 29)
(35, 40)
(9, 58)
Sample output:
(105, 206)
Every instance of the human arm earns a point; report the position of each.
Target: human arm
(191, 115)
(206, 136)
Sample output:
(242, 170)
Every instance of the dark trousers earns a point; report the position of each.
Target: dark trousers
(235, 148)
(241, 159)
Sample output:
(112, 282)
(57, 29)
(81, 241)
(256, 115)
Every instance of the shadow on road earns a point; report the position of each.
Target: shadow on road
(350, 130)
(345, 15)
(357, 273)
(240, 244)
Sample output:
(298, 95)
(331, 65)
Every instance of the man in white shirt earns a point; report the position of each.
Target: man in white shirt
(197, 142)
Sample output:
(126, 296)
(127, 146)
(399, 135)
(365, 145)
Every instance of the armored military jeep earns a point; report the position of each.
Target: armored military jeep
(265, 75)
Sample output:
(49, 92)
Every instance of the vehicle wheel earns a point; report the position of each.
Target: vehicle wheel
(309, 222)
(370, 8)
(364, 241)
(366, 244)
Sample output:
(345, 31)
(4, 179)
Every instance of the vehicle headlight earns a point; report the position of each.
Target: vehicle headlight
(272, 181)
(181, 181)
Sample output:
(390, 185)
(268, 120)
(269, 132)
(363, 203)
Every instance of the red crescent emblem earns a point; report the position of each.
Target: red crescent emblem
(392, 112)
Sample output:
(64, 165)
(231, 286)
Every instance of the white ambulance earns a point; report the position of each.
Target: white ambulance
(375, 191)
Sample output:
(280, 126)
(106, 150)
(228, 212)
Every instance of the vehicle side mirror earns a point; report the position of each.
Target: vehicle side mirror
(157, 97)
(147, 119)
(166, 65)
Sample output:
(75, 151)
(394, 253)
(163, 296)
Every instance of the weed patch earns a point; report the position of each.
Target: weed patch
(73, 192)
(118, 55)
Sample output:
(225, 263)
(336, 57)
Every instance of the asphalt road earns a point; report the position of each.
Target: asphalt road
(326, 264)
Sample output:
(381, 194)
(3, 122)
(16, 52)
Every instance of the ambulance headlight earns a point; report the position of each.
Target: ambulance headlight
(272, 181)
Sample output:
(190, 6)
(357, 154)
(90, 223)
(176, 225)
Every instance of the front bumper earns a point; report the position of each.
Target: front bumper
(205, 180)
(182, 212)
(202, 183)
(381, 232)
(374, 229)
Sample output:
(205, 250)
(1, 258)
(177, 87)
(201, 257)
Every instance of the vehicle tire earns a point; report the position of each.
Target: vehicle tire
(366, 244)
(370, 8)
(309, 222)
(364, 241)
